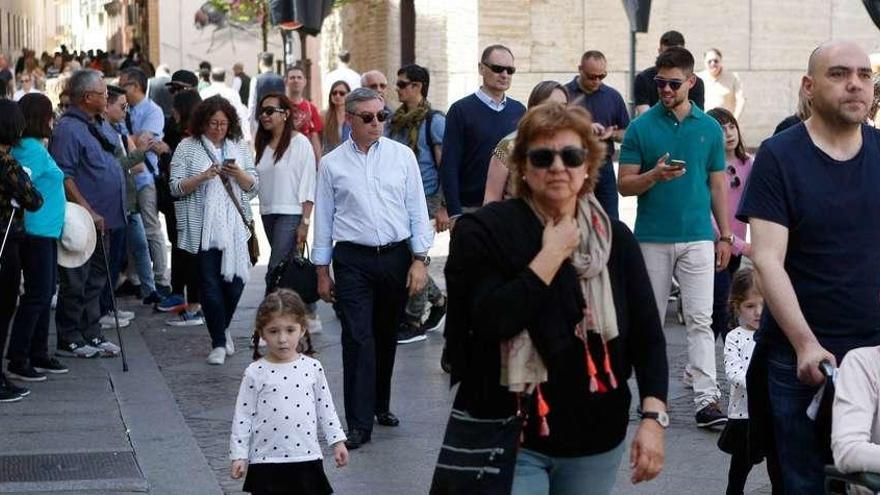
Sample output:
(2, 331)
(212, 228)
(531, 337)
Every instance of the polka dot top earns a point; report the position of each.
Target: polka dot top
(738, 349)
(278, 411)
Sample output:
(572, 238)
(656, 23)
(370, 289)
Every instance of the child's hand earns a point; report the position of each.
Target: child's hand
(340, 454)
(239, 467)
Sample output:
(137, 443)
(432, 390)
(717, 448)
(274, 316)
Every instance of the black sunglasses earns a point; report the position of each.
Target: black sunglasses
(368, 117)
(404, 84)
(498, 69)
(268, 111)
(734, 182)
(572, 156)
(673, 83)
(338, 93)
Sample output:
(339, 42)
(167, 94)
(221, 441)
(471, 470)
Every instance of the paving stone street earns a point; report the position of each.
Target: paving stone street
(171, 414)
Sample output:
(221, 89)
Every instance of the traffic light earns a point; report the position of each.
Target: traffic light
(306, 15)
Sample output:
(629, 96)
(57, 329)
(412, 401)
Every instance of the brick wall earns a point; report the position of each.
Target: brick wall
(766, 42)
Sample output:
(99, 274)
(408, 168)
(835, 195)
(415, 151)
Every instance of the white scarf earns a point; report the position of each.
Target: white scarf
(222, 226)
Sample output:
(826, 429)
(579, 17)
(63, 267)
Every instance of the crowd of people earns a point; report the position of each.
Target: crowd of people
(546, 288)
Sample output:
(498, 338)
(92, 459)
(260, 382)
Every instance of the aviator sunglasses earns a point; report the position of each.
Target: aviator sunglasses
(734, 182)
(572, 156)
(673, 83)
(368, 117)
(268, 111)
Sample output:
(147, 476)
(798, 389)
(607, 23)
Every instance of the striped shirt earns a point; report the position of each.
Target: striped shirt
(190, 159)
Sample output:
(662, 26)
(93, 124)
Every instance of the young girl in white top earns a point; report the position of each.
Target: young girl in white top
(746, 304)
(282, 399)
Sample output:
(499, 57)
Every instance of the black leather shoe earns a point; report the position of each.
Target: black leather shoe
(387, 419)
(356, 438)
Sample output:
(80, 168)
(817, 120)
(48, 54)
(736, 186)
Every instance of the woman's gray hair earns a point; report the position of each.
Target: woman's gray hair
(83, 81)
(358, 96)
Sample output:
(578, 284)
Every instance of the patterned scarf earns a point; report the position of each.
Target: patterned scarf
(408, 122)
(522, 369)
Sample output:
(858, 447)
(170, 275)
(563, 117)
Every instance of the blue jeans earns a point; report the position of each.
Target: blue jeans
(140, 253)
(606, 188)
(281, 234)
(219, 298)
(538, 474)
(800, 448)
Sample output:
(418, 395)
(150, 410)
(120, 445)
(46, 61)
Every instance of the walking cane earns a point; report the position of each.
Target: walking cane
(8, 228)
(113, 301)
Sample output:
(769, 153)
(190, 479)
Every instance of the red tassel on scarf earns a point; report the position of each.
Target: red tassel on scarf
(543, 411)
(596, 385)
(608, 371)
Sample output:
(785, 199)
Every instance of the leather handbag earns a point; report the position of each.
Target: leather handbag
(296, 273)
(478, 455)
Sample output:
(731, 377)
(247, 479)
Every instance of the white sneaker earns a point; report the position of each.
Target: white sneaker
(315, 324)
(107, 321)
(217, 356)
(230, 346)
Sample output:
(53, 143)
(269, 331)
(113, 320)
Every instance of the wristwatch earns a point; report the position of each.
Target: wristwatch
(726, 238)
(424, 258)
(658, 416)
(306, 221)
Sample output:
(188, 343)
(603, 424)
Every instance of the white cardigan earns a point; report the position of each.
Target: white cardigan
(190, 158)
(289, 182)
(855, 431)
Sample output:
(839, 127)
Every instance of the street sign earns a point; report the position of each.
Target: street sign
(639, 12)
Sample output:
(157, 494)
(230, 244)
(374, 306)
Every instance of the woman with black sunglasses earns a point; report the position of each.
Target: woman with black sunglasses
(551, 295)
(286, 168)
(739, 165)
(336, 129)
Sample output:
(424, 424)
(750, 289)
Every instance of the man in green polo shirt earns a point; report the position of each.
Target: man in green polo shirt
(672, 158)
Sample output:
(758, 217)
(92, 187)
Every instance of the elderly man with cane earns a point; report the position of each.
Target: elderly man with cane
(83, 145)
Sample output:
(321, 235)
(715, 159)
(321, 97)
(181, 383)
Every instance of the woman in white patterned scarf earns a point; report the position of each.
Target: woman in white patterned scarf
(213, 174)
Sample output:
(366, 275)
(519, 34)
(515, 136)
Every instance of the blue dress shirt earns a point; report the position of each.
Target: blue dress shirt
(94, 170)
(491, 103)
(147, 116)
(372, 199)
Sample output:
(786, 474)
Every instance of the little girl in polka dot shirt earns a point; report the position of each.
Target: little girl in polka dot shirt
(747, 304)
(282, 399)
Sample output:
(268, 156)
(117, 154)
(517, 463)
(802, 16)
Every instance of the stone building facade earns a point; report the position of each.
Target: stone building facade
(767, 42)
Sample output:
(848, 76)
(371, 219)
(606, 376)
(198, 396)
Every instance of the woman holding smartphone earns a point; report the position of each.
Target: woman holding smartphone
(212, 172)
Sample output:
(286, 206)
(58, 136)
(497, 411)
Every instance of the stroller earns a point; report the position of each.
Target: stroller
(836, 481)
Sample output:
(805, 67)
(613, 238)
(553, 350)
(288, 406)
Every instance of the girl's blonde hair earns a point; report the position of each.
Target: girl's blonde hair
(744, 280)
(283, 302)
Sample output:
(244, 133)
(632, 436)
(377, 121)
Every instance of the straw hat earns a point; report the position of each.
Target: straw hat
(78, 237)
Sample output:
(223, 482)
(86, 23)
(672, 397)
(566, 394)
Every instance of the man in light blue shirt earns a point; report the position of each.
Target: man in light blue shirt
(144, 116)
(370, 201)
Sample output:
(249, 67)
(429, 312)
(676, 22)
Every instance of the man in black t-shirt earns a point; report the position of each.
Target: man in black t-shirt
(814, 211)
(646, 90)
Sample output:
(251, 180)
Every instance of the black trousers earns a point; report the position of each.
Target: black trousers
(29, 337)
(371, 295)
(184, 265)
(79, 298)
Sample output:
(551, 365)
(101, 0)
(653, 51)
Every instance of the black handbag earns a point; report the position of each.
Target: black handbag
(296, 273)
(478, 455)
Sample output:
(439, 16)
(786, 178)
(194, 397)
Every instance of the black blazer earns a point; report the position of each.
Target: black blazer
(493, 295)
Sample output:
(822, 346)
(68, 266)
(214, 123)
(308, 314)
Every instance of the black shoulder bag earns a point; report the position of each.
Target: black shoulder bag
(296, 273)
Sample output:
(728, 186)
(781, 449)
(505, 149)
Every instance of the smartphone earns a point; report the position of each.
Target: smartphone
(677, 164)
(231, 161)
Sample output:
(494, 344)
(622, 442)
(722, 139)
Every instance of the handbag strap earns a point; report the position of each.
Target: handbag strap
(228, 187)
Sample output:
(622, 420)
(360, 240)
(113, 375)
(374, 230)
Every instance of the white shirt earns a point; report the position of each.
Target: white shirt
(372, 199)
(278, 410)
(20, 93)
(290, 181)
(738, 349)
(725, 92)
(219, 88)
